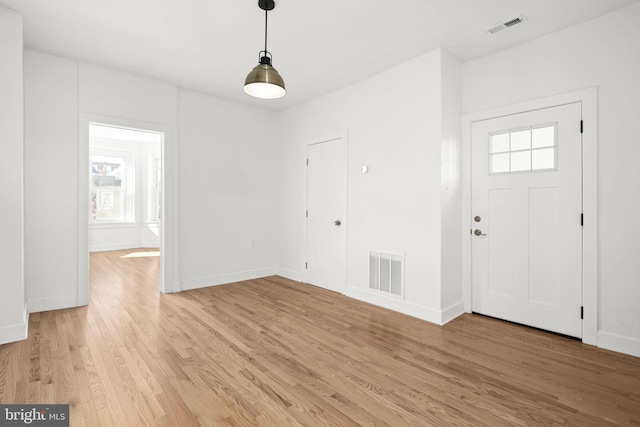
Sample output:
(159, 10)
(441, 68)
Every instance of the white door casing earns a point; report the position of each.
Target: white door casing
(527, 261)
(325, 216)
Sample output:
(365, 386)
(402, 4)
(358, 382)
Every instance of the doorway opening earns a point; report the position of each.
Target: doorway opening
(125, 192)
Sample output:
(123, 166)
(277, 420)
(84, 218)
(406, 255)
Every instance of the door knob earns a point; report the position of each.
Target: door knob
(478, 232)
(337, 222)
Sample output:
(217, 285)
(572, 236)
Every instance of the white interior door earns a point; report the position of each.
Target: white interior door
(526, 207)
(326, 214)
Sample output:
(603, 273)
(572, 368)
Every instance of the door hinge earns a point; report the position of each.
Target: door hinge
(307, 214)
(582, 312)
(306, 266)
(581, 126)
(582, 219)
(307, 162)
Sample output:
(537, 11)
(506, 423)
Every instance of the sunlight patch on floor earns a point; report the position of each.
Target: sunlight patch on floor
(141, 254)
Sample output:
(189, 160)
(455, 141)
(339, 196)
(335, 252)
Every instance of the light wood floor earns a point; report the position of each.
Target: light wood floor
(273, 352)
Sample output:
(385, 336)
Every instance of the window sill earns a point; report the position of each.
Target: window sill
(99, 225)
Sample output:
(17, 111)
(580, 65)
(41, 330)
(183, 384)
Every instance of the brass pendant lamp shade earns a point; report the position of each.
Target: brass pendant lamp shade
(264, 81)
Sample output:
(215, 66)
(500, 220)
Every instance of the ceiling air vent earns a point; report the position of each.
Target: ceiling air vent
(506, 24)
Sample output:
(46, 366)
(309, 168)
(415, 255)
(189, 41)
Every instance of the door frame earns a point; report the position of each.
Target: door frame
(343, 135)
(168, 222)
(589, 102)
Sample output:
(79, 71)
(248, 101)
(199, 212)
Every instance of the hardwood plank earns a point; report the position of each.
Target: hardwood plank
(273, 352)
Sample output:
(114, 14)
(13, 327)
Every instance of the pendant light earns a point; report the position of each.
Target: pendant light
(264, 81)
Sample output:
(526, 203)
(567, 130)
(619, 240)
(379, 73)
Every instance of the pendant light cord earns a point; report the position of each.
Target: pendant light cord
(265, 30)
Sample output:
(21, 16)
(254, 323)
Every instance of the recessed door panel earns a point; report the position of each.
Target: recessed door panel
(544, 256)
(501, 249)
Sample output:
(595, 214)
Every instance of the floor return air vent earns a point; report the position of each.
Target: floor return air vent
(386, 273)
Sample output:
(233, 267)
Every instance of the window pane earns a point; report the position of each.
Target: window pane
(521, 140)
(155, 187)
(544, 137)
(109, 204)
(500, 143)
(158, 206)
(500, 163)
(107, 171)
(107, 188)
(521, 161)
(543, 159)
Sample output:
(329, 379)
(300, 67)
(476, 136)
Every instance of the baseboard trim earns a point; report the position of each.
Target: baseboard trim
(451, 312)
(37, 305)
(395, 304)
(619, 343)
(18, 332)
(121, 246)
(296, 276)
(149, 245)
(223, 279)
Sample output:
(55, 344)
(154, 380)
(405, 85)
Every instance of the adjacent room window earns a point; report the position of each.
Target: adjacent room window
(529, 149)
(125, 180)
(155, 187)
(111, 198)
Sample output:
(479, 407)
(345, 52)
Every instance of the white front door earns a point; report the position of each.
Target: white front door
(526, 218)
(326, 215)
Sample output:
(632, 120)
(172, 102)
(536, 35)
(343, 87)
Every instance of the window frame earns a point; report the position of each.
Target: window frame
(154, 188)
(529, 150)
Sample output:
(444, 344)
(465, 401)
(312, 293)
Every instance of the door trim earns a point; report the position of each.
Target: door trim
(589, 102)
(169, 220)
(343, 135)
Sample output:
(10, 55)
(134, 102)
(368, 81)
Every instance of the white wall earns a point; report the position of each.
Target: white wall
(51, 172)
(605, 53)
(451, 191)
(394, 124)
(227, 191)
(227, 187)
(13, 314)
(56, 91)
(104, 237)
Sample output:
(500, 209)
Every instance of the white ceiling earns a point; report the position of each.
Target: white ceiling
(318, 47)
